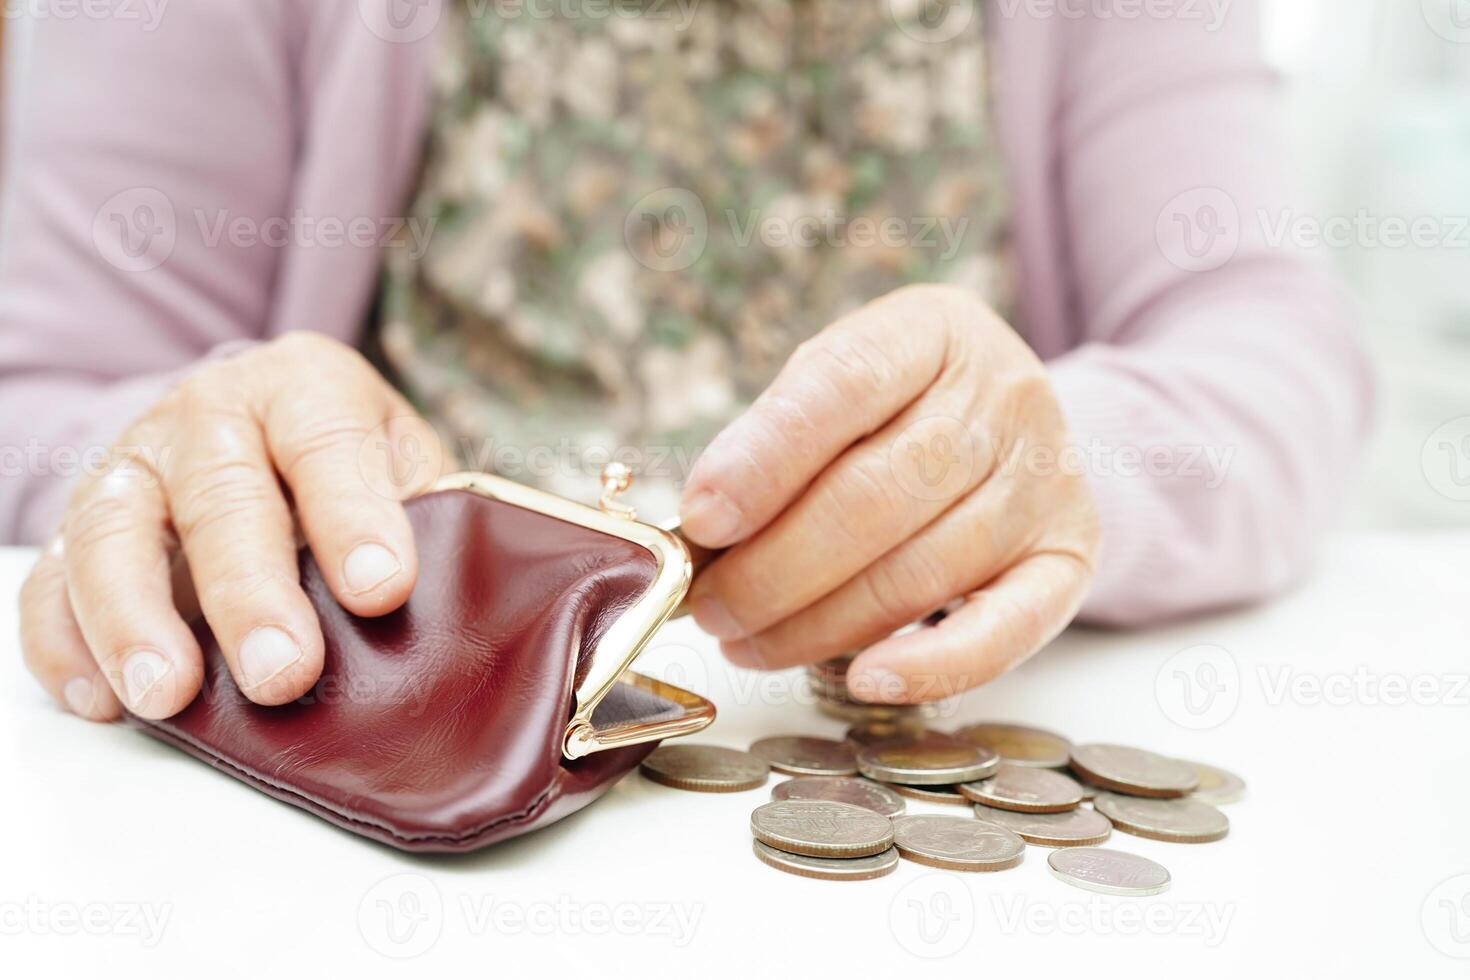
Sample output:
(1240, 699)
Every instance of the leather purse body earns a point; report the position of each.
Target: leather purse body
(449, 724)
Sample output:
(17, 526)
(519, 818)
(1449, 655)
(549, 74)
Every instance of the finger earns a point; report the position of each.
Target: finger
(237, 534)
(838, 387)
(53, 647)
(995, 629)
(959, 551)
(347, 458)
(117, 544)
(877, 495)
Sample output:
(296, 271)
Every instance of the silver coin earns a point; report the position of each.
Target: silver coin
(821, 828)
(1216, 786)
(931, 794)
(830, 869)
(1100, 869)
(801, 755)
(926, 762)
(1019, 745)
(1134, 771)
(1182, 821)
(957, 843)
(1071, 828)
(1026, 790)
(705, 768)
(841, 789)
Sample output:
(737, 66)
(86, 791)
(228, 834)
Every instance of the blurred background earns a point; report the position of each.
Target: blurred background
(1380, 111)
(1378, 98)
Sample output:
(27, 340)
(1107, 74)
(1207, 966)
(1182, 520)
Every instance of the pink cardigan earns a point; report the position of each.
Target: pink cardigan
(1218, 403)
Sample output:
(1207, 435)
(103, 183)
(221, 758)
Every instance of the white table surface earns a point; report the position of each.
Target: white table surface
(1345, 706)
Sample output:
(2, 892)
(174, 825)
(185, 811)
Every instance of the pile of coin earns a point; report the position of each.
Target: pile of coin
(829, 685)
(842, 816)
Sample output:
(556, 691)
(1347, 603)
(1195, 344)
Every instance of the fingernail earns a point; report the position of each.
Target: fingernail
(712, 617)
(143, 675)
(266, 652)
(877, 684)
(711, 518)
(368, 566)
(78, 695)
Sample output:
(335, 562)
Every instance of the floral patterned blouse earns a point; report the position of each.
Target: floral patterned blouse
(640, 207)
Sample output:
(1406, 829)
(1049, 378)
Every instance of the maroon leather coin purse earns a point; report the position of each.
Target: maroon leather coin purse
(496, 701)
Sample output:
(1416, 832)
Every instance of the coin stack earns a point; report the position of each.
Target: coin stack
(829, 684)
(842, 816)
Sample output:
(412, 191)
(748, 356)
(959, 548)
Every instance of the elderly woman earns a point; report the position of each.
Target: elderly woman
(962, 306)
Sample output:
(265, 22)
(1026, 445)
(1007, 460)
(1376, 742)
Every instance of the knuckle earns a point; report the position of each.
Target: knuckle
(859, 493)
(853, 365)
(216, 492)
(893, 593)
(922, 574)
(102, 518)
(935, 310)
(304, 344)
(210, 390)
(323, 440)
(323, 359)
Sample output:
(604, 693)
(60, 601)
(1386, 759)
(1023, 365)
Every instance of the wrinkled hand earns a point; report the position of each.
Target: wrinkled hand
(897, 463)
(205, 476)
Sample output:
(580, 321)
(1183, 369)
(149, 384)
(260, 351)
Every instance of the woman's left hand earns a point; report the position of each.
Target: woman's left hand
(910, 454)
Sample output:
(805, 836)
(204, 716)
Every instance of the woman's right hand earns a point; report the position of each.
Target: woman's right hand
(205, 476)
